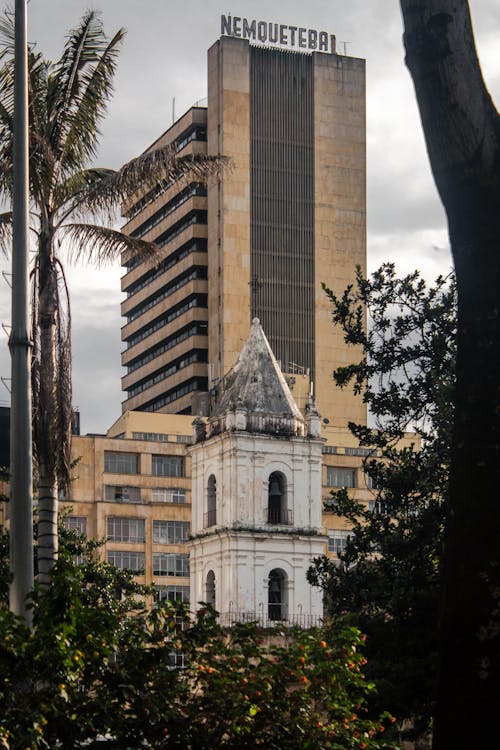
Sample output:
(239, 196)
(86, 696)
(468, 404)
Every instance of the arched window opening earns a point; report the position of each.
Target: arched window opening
(211, 514)
(277, 511)
(210, 588)
(277, 595)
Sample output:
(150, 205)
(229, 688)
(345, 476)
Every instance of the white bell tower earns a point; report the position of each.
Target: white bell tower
(256, 494)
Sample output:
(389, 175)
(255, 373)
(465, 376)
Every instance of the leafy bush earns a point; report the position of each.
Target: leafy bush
(92, 674)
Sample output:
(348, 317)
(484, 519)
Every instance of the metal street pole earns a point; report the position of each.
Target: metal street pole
(21, 466)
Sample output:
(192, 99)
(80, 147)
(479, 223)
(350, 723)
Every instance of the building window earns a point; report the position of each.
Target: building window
(210, 588)
(159, 437)
(195, 300)
(176, 495)
(329, 449)
(170, 564)
(337, 540)
(211, 514)
(170, 532)
(340, 477)
(194, 133)
(168, 466)
(277, 511)
(125, 529)
(166, 372)
(360, 451)
(193, 190)
(277, 595)
(193, 329)
(127, 560)
(121, 463)
(76, 523)
(172, 594)
(196, 384)
(122, 494)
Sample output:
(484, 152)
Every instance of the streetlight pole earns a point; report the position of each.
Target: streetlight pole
(21, 466)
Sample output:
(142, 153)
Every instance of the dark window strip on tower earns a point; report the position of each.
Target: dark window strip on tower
(282, 202)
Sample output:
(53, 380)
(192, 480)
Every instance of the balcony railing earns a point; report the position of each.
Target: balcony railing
(279, 516)
(269, 617)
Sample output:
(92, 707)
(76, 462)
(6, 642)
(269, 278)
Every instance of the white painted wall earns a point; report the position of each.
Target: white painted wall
(243, 548)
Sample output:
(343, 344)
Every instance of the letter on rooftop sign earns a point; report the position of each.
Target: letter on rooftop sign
(294, 37)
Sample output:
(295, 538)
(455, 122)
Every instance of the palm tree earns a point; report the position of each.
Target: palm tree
(70, 200)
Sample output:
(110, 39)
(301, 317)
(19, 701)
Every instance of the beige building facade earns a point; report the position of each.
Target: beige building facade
(132, 488)
(258, 241)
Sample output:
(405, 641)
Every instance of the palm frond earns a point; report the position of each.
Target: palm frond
(37, 84)
(6, 146)
(42, 158)
(145, 171)
(5, 232)
(7, 34)
(67, 194)
(97, 85)
(79, 87)
(99, 245)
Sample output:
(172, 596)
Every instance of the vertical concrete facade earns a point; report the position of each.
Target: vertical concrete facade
(340, 217)
(228, 204)
(291, 213)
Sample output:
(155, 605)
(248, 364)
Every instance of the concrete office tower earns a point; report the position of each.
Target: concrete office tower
(288, 216)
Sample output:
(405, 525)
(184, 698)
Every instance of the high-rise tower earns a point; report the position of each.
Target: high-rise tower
(289, 215)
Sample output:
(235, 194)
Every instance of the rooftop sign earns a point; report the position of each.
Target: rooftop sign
(294, 37)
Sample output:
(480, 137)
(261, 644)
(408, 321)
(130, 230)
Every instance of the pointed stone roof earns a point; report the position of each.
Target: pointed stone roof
(256, 391)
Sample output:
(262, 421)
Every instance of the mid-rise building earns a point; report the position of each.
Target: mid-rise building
(166, 306)
(259, 240)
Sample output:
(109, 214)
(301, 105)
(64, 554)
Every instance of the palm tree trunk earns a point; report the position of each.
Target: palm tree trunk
(46, 418)
(47, 544)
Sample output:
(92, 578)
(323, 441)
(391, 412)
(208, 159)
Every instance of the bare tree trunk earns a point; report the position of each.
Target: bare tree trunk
(462, 131)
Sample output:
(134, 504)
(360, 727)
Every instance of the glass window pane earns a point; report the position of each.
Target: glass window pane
(340, 477)
(168, 466)
(170, 564)
(125, 529)
(121, 463)
(170, 532)
(127, 560)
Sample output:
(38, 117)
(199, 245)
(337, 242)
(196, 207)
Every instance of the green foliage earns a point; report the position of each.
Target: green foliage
(387, 581)
(91, 674)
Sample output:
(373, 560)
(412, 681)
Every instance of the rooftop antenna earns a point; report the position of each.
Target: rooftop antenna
(173, 110)
(344, 44)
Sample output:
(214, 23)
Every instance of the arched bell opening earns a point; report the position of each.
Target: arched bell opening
(210, 588)
(211, 514)
(277, 595)
(277, 511)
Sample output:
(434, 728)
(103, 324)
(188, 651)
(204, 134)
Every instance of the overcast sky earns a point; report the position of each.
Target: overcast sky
(162, 70)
